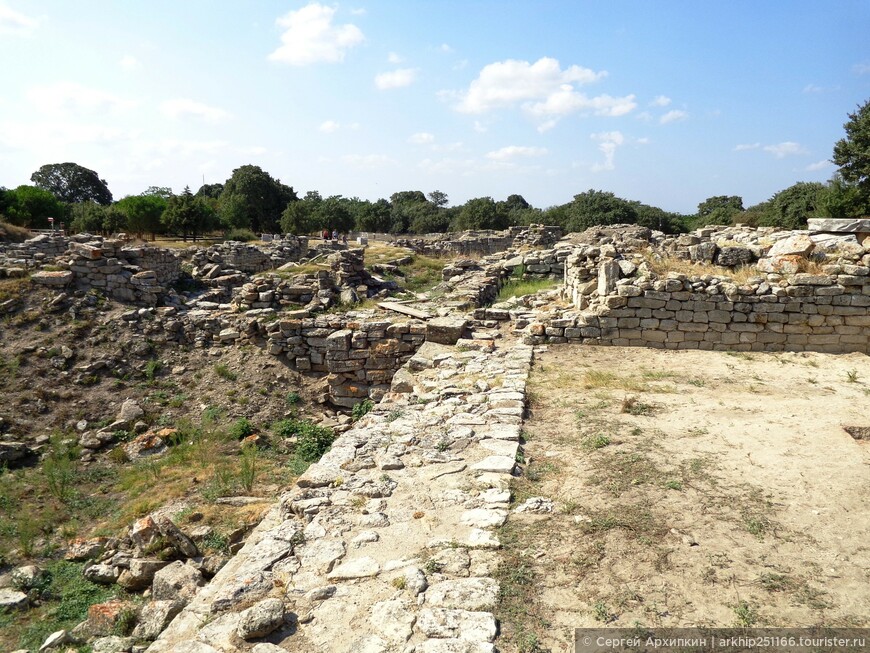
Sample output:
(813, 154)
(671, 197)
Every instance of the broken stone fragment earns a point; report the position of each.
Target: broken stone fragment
(261, 619)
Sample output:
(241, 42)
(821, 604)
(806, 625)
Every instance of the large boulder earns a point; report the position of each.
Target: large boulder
(261, 619)
(130, 412)
(154, 617)
(731, 257)
(176, 581)
(140, 574)
(798, 245)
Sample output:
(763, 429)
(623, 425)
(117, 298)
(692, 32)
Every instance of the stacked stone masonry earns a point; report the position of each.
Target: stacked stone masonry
(803, 312)
(388, 543)
(482, 243)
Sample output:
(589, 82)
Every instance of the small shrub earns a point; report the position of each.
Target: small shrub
(152, 367)
(746, 613)
(59, 468)
(242, 428)
(362, 408)
(632, 406)
(312, 441)
(601, 612)
(599, 441)
(217, 542)
(225, 372)
(125, 622)
(248, 468)
(293, 398)
(852, 376)
(242, 235)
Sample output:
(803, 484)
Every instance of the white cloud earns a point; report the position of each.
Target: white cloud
(254, 150)
(367, 160)
(16, 23)
(65, 98)
(128, 62)
(396, 79)
(660, 101)
(742, 147)
(513, 151)
(181, 107)
(479, 127)
(394, 58)
(566, 100)
(461, 64)
(861, 68)
(784, 149)
(446, 49)
(329, 126)
(422, 138)
(643, 141)
(361, 11)
(309, 37)
(542, 89)
(674, 115)
(819, 165)
(607, 144)
(506, 83)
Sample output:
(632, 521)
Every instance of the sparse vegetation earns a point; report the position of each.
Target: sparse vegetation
(361, 408)
(224, 372)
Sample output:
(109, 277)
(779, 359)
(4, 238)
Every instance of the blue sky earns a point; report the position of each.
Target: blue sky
(664, 102)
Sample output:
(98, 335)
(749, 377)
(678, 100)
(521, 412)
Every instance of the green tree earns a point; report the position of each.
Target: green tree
(852, 155)
(157, 191)
(212, 191)
(114, 220)
(405, 207)
(252, 199)
(481, 213)
(143, 212)
(661, 220)
(188, 215)
(87, 217)
(334, 214)
(29, 206)
(72, 183)
(842, 199)
(596, 207)
(790, 208)
(301, 217)
(438, 198)
(374, 216)
(720, 209)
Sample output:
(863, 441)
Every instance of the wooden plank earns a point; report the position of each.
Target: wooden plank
(405, 310)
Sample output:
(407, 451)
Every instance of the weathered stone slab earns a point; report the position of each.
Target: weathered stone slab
(393, 620)
(59, 278)
(360, 568)
(445, 330)
(798, 245)
(473, 594)
(849, 225)
(459, 624)
(498, 464)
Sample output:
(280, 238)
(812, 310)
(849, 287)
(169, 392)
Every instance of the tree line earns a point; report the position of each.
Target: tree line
(251, 201)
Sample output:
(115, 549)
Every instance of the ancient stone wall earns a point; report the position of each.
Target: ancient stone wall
(626, 305)
(249, 258)
(138, 274)
(483, 243)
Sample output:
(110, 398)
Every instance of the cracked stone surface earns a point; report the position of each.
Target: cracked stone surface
(388, 543)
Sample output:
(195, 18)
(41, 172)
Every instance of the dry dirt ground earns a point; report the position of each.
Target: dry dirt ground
(691, 489)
